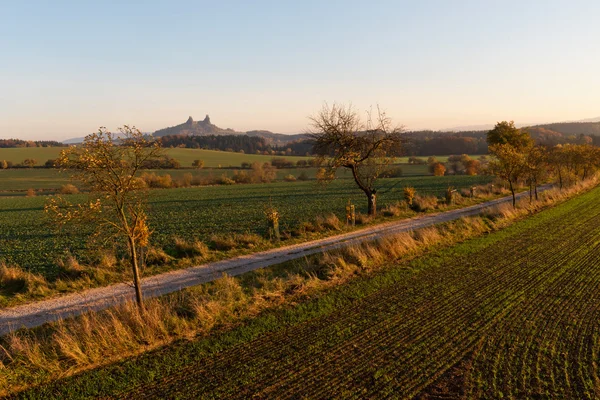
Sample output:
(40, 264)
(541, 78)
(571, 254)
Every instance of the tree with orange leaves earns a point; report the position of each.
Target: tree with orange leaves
(107, 166)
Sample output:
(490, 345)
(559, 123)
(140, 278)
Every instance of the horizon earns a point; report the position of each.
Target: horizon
(267, 66)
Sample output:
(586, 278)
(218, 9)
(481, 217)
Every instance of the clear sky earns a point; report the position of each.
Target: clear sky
(68, 67)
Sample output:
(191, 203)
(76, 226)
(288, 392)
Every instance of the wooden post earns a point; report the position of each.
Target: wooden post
(350, 214)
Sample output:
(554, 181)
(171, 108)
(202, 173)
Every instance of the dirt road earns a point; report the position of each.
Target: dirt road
(38, 313)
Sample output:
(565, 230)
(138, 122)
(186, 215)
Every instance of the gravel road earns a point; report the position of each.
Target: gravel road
(35, 314)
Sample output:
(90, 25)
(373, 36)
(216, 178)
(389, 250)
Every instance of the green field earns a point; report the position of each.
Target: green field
(15, 182)
(514, 314)
(27, 239)
(212, 158)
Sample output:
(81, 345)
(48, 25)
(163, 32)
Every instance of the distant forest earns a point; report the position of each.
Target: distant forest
(8, 143)
(416, 143)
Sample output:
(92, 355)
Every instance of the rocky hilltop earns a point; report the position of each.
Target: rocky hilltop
(206, 127)
(193, 128)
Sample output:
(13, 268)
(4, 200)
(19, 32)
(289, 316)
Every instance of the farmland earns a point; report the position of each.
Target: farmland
(28, 240)
(211, 158)
(16, 182)
(512, 314)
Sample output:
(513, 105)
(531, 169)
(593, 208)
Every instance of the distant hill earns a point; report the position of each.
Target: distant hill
(206, 127)
(573, 128)
(194, 128)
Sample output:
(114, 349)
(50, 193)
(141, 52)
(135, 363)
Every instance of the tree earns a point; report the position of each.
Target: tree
(108, 170)
(3, 164)
(535, 168)
(29, 162)
(507, 133)
(508, 164)
(198, 164)
(342, 140)
(438, 169)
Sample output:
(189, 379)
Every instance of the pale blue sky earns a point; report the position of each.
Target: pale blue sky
(67, 67)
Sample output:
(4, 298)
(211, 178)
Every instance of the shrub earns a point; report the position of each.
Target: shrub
(281, 163)
(438, 169)
(409, 194)
(225, 180)
(185, 180)
(241, 177)
(157, 181)
(303, 176)
(30, 193)
(290, 178)
(198, 164)
(69, 189)
(395, 172)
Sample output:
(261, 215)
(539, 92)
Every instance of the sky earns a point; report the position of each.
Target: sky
(69, 67)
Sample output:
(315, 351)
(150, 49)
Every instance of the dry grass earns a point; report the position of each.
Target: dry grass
(362, 219)
(395, 209)
(424, 203)
(184, 248)
(157, 256)
(330, 222)
(13, 281)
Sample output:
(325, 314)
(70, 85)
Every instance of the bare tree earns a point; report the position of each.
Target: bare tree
(342, 139)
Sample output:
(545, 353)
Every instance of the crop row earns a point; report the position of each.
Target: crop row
(28, 239)
(519, 307)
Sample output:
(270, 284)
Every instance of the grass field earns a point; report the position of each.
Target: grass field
(514, 314)
(28, 240)
(15, 182)
(186, 157)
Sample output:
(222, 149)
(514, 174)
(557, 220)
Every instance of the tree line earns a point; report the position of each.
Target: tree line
(14, 143)
(517, 159)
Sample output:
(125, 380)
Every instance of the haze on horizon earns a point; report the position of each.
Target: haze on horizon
(69, 67)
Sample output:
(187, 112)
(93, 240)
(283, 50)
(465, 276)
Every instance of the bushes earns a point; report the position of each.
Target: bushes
(303, 176)
(157, 181)
(69, 189)
(289, 178)
(395, 172)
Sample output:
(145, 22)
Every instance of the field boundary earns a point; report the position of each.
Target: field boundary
(37, 313)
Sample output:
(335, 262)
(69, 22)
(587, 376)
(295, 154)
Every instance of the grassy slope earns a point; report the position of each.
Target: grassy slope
(514, 313)
(28, 240)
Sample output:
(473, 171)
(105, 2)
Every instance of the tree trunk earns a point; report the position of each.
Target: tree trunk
(535, 189)
(136, 274)
(560, 178)
(512, 190)
(530, 191)
(372, 198)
